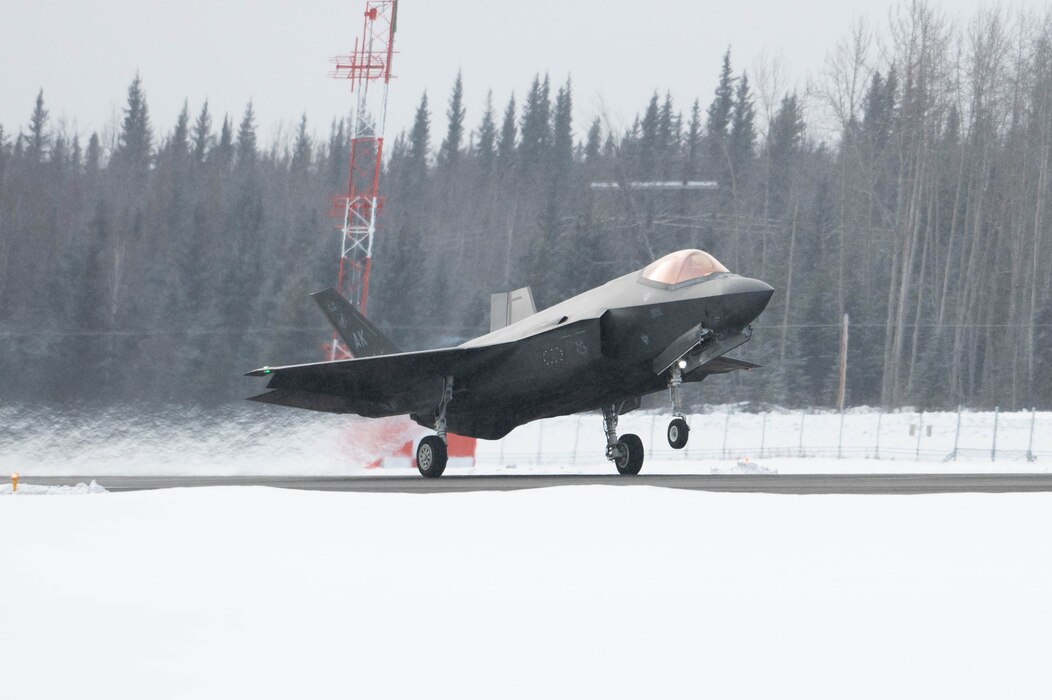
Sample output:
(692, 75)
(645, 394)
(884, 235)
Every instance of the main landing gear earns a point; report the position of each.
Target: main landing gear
(431, 453)
(625, 452)
(678, 431)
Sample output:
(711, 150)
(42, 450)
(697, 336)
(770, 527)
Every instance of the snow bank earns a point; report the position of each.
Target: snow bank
(611, 592)
(38, 490)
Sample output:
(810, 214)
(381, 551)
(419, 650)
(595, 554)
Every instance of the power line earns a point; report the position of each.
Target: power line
(433, 328)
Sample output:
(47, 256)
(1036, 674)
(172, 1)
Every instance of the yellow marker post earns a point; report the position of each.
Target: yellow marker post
(14, 482)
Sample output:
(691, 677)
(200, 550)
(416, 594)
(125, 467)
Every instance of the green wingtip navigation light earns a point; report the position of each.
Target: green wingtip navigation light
(266, 370)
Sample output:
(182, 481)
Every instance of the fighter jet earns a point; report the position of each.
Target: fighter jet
(647, 331)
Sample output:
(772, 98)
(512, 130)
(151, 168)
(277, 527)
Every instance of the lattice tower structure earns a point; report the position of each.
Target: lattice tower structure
(368, 68)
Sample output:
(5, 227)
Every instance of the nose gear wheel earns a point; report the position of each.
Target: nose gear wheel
(677, 434)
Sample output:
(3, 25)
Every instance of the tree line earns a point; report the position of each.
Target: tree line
(907, 187)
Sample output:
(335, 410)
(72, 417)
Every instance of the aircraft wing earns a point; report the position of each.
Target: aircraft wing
(382, 385)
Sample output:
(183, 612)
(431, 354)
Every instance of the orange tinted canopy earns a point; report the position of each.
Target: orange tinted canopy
(682, 266)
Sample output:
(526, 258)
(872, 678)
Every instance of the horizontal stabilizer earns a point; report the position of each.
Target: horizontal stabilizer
(382, 385)
(362, 338)
(507, 308)
(302, 399)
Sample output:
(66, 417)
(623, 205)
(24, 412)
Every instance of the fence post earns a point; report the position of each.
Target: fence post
(880, 415)
(726, 427)
(576, 440)
(957, 435)
(1030, 445)
(993, 446)
(763, 433)
(653, 437)
(920, 428)
(800, 446)
(840, 438)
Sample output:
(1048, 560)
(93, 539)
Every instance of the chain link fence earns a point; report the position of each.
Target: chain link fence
(723, 433)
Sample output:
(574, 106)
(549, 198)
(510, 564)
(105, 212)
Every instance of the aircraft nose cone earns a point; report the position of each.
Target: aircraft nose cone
(751, 297)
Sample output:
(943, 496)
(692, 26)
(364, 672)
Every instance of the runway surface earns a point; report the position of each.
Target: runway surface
(799, 484)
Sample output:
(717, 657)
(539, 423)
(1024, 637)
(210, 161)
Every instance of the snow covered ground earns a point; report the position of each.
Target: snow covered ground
(252, 439)
(611, 592)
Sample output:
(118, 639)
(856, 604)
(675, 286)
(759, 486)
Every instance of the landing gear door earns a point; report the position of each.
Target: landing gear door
(698, 346)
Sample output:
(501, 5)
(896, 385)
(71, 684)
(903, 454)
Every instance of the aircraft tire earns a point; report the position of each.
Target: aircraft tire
(678, 433)
(630, 459)
(431, 457)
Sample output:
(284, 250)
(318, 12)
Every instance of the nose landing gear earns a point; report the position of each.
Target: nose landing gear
(678, 431)
(625, 452)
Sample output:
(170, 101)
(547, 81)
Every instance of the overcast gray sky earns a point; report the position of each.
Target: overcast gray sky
(84, 53)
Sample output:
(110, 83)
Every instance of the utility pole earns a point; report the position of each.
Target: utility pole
(842, 386)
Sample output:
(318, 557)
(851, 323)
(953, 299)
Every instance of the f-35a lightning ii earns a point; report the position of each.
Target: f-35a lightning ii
(669, 323)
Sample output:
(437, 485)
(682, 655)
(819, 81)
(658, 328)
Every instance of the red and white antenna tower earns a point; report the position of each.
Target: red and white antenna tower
(369, 70)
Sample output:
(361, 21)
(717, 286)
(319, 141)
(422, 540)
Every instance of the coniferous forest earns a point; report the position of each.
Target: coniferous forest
(906, 185)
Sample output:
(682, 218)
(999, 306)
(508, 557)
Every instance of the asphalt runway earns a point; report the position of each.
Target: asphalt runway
(798, 484)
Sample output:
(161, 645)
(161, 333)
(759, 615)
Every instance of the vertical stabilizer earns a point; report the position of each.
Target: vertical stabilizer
(362, 338)
(506, 308)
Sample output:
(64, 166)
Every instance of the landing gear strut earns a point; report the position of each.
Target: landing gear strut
(625, 452)
(432, 453)
(678, 431)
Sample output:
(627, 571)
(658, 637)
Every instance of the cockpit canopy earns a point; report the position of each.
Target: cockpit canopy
(681, 267)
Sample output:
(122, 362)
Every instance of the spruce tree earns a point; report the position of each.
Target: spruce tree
(784, 140)
(420, 143)
(506, 145)
(135, 143)
(202, 134)
(536, 126)
(648, 140)
(399, 268)
(39, 139)
(878, 107)
(743, 127)
(5, 152)
(58, 156)
(76, 156)
(301, 150)
(486, 147)
(816, 306)
(562, 134)
(692, 145)
(593, 145)
(223, 153)
(449, 151)
(719, 112)
(179, 146)
(247, 152)
(90, 300)
(668, 135)
(93, 156)
(337, 154)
